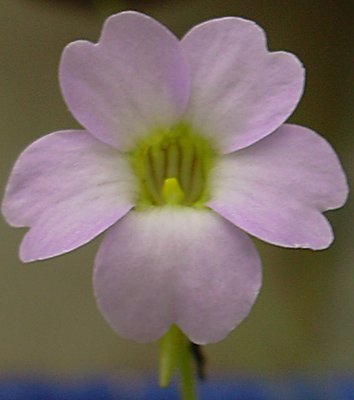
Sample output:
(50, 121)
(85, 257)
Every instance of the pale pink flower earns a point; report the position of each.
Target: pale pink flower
(184, 148)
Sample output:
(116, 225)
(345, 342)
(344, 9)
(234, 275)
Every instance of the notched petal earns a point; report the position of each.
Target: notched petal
(240, 91)
(277, 188)
(68, 187)
(196, 270)
(133, 79)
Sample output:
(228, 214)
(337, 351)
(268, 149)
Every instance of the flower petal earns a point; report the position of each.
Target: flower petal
(277, 188)
(240, 91)
(133, 79)
(196, 270)
(68, 187)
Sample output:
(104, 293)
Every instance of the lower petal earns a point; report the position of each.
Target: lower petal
(176, 265)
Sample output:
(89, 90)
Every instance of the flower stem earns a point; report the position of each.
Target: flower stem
(175, 353)
(186, 373)
(169, 348)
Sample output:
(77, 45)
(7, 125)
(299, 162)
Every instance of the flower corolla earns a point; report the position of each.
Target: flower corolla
(184, 149)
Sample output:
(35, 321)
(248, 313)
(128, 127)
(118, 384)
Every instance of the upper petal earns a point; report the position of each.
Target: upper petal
(68, 187)
(133, 79)
(196, 270)
(240, 91)
(277, 188)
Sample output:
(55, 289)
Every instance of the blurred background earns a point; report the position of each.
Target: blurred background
(304, 317)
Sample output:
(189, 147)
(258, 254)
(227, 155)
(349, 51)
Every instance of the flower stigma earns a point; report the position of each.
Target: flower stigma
(172, 166)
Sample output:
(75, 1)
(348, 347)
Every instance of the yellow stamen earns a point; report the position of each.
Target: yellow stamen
(172, 166)
(171, 191)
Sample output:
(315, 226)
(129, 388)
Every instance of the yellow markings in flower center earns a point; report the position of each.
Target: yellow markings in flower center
(172, 167)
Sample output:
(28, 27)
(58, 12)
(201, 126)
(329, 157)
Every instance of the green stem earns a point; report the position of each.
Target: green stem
(175, 353)
(169, 348)
(186, 373)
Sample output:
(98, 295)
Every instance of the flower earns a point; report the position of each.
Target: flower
(183, 148)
